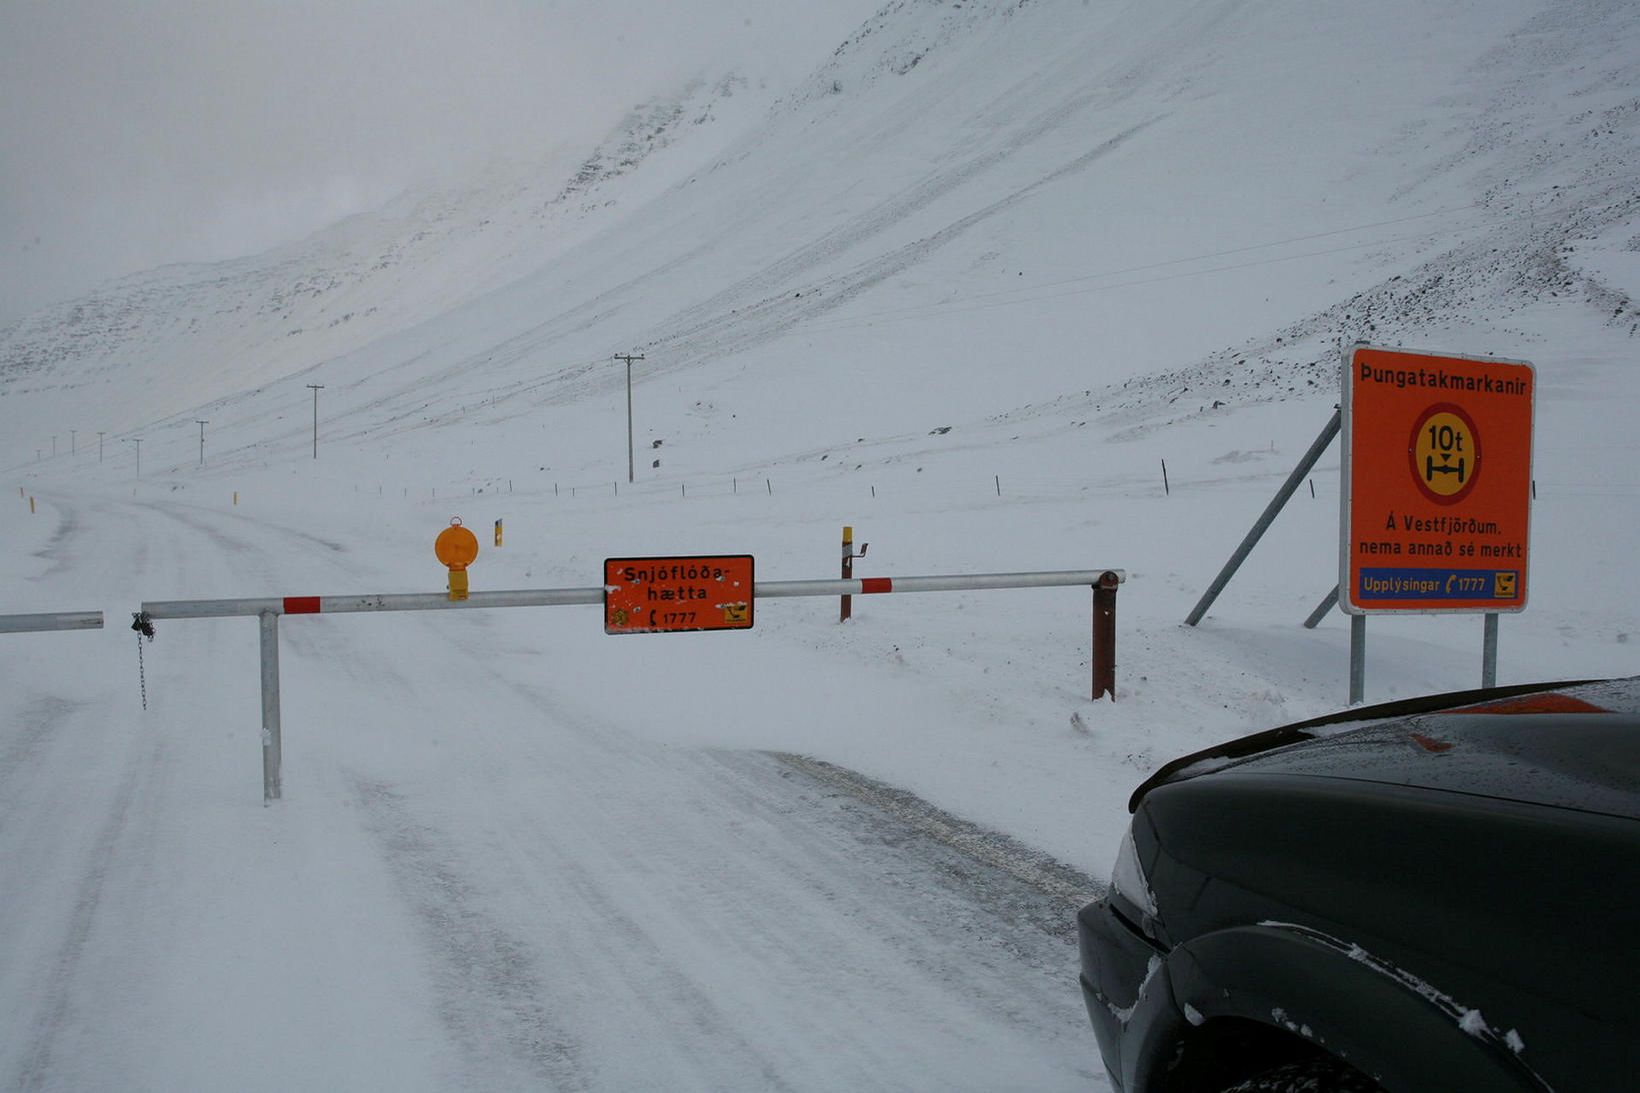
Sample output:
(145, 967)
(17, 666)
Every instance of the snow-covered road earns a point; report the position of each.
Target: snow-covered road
(478, 878)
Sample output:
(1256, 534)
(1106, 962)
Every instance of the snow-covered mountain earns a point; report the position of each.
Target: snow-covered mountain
(1166, 182)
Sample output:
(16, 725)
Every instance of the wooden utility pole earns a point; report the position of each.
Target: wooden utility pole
(628, 358)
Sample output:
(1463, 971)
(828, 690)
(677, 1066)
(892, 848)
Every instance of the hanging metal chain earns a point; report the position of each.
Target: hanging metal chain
(144, 626)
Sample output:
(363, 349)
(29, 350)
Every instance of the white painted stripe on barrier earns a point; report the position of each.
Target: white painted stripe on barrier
(62, 620)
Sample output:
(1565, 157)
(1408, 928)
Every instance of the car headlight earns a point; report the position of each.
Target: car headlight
(1127, 878)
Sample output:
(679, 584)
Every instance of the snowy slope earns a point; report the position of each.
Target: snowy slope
(964, 286)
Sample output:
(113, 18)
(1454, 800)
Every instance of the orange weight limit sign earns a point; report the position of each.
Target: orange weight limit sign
(1437, 482)
(456, 547)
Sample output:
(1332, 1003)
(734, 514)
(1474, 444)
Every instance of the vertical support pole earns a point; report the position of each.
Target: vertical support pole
(1321, 609)
(1104, 636)
(271, 743)
(1489, 650)
(1267, 517)
(847, 602)
(1358, 659)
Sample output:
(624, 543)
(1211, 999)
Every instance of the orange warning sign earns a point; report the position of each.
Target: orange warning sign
(1437, 482)
(669, 595)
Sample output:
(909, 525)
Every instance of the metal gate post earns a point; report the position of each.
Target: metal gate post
(1104, 635)
(271, 758)
(847, 602)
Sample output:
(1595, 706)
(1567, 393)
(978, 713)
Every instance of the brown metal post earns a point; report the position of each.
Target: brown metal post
(1104, 635)
(848, 572)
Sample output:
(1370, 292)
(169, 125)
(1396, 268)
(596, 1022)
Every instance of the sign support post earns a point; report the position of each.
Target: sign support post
(1358, 659)
(1329, 602)
(1288, 488)
(1489, 650)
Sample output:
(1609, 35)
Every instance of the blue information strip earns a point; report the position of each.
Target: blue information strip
(1438, 584)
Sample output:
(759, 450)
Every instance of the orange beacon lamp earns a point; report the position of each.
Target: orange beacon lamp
(456, 547)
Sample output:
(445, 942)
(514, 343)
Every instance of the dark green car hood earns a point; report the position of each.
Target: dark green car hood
(1571, 746)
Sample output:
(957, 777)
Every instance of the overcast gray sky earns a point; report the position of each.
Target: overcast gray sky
(142, 132)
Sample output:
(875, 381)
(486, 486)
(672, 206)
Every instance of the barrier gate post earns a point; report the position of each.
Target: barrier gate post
(1104, 635)
(271, 744)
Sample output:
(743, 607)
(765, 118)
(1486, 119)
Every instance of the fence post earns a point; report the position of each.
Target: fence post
(271, 745)
(1104, 635)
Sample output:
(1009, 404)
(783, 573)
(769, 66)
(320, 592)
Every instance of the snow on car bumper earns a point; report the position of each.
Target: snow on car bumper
(1125, 988)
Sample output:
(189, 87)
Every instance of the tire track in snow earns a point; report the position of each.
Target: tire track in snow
(195, 519)
(128, 825)
(493, 997)
(41, 721)
(1039, 871)
(56, 550)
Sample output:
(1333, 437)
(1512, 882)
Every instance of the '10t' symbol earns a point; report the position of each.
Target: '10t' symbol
(1446, 454)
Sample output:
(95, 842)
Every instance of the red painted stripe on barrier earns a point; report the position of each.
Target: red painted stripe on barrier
(876, 584)
(301, 605)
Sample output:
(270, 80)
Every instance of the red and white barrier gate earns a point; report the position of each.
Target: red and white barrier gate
(1104, 583)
